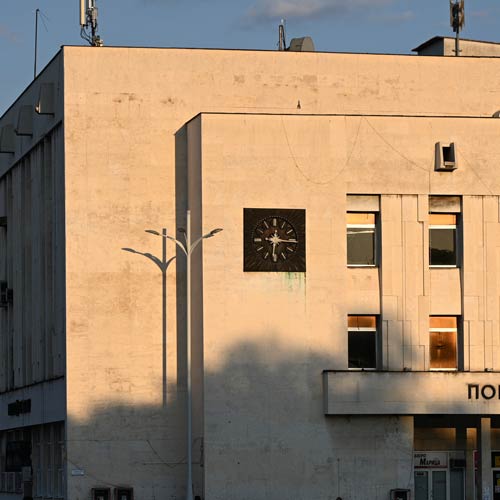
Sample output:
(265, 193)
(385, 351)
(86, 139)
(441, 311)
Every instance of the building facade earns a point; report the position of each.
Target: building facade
(345, 323)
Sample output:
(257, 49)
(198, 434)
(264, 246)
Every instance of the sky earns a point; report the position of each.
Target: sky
(380, 26)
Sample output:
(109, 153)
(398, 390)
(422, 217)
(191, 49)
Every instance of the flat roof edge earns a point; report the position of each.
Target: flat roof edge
(19, 97)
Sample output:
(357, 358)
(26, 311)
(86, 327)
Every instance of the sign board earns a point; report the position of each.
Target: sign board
(430, 460)
(411, 393)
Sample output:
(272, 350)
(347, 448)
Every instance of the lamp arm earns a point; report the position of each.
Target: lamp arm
(194, 245)
(178, 243)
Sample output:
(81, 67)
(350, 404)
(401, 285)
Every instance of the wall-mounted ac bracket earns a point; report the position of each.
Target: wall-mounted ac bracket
(445, 157)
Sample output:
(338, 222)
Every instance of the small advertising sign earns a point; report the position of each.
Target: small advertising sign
(430, 459)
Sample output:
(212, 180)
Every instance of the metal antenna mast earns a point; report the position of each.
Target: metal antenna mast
(281, 31)
(36, 41)
(457, 21)
(88, 21)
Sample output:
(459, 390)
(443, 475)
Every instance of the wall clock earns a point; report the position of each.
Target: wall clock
(274, 240)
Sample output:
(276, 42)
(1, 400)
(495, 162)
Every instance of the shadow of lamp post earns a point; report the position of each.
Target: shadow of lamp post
(187, 248)
(163, 264)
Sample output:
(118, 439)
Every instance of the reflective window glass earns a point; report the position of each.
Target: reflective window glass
(361, 239)
(443, 343)
(443, 240)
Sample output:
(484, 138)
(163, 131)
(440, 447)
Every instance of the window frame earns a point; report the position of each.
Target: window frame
(376, 332)
(458, 343)
(373, 227)
(454, 227)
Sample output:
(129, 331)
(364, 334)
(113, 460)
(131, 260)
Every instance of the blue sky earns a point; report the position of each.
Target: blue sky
(387, 26)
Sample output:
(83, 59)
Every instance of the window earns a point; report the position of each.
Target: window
(48, 463)
(362, 342)
(15, 448)
(361, 239)
(443, 240)
(443, 340)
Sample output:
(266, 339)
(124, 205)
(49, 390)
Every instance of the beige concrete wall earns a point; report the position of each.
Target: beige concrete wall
(268, 336)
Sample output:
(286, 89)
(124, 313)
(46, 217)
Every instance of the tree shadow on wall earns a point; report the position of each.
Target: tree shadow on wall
(262, 435)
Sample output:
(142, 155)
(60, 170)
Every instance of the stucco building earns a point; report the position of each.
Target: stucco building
(346, 322)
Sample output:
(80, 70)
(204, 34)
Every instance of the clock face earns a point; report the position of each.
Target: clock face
(274, 240)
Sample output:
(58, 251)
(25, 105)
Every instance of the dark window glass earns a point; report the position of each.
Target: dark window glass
(361, 239)
(443, 251)
(442, 240)
(17, 456)
(362, 342)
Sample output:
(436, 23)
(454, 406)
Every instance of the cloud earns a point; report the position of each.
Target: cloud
(8, 35)
(266, 10)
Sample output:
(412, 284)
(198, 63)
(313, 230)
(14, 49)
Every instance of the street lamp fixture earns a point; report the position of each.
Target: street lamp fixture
(187, 247)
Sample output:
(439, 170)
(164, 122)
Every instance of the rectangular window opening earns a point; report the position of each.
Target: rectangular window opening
(361, 239)
(443, 240)
(443, 343)
(362, 342)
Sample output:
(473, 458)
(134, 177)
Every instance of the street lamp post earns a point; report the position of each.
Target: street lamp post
(187, 247)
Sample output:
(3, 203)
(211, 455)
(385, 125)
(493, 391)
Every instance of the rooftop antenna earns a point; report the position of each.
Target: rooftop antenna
(36, 41)
(281, 31)
(457, 21)
(88, 21)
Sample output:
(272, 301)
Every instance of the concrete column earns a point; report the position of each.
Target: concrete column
(470, 471)
(485, 473)
(461, 445)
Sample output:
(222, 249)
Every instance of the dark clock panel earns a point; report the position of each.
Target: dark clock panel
(274, 240)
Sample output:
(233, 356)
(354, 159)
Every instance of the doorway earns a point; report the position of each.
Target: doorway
(431, 485)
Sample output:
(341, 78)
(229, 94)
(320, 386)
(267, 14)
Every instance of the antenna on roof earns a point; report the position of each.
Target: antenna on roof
(457, 21)
(88, 21)
(36, 41)
(281, 31)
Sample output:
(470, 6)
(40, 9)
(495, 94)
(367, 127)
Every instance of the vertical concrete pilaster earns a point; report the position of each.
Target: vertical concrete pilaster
(470, 471)
(484, 445)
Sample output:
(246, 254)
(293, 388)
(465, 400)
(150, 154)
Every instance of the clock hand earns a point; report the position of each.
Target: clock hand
(286, 241)
(275, 257)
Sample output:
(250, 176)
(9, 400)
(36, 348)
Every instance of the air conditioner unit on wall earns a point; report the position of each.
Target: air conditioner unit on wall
(400, 494)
